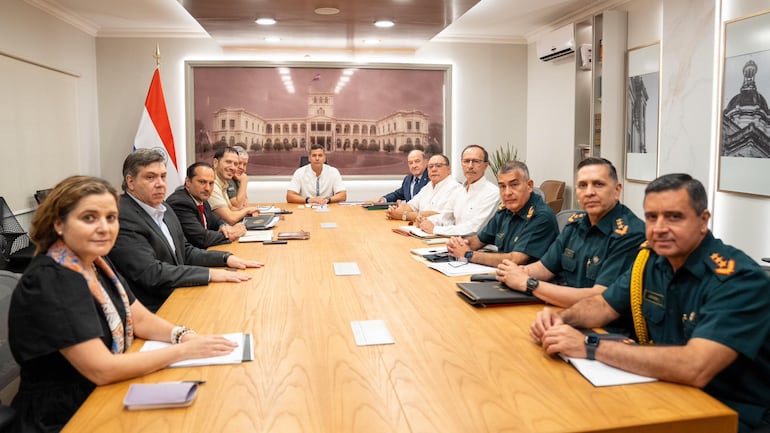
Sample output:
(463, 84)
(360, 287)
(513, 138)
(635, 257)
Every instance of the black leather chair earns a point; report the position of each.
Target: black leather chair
(9, 370)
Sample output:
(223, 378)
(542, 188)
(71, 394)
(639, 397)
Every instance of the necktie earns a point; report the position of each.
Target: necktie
(203, 215)
(318, 186)
(414, 184)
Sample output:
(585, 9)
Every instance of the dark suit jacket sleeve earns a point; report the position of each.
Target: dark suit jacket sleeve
(145, 259)
(189, 217)
(399, 193)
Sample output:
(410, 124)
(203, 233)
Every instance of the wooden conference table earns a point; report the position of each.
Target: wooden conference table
(452, 368)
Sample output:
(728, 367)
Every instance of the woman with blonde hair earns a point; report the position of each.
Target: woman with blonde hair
(72, 318)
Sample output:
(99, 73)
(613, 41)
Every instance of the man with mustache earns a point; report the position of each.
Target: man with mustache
(434, 198)
(596, 246)
(699, 308)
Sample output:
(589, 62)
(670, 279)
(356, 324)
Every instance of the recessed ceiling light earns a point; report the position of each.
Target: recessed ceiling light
(326, 11)
(265, 21)
(272, 39)
(384, 23)
(371, 41)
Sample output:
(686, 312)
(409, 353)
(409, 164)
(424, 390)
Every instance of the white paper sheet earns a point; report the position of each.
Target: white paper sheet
(234, 357)
(601, 374)
(456, 269)
(428, 251)
(257, 236)
(329, 225)
(371, 332)
(346, 268)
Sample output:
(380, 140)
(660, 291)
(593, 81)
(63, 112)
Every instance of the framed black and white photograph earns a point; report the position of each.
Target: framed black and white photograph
(367, 117)
(744, 138)
(642, 112)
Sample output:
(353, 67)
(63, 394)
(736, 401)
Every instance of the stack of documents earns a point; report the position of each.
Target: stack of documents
(244, 352)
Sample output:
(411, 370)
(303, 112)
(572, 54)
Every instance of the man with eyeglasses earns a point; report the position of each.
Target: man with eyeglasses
(596, 246)
(474, 203)
(522, 230)
(413, 182)
(316, 183)
(436, 197)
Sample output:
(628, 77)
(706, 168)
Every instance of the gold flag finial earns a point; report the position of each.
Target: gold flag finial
(157, 56)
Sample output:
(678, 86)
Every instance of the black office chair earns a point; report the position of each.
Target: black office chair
(16, 249)
(41, 194)
(9, 370)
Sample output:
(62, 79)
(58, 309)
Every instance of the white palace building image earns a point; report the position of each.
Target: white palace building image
(399, 129)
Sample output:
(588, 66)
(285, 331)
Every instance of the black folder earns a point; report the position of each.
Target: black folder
(260, 222)
(493, 293)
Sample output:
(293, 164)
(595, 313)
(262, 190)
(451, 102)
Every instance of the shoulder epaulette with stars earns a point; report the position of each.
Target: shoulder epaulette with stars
(577, 216)
(722, 266)
(621, 227)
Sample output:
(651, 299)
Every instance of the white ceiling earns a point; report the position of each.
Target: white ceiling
(495, 21)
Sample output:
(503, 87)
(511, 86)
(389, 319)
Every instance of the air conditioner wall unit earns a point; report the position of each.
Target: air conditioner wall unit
(558, 43)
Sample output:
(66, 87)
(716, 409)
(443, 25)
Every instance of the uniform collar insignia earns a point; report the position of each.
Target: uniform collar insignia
(530, 212)
(723, 267)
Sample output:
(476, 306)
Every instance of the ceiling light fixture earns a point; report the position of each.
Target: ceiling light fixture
(272, 39)
(265, 21)
(326, 11)
(384, 23)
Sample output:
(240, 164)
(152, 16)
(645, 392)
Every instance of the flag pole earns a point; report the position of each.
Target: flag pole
(157, 56)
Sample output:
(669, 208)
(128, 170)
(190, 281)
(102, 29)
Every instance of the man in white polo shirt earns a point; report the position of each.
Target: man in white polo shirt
(316, 183)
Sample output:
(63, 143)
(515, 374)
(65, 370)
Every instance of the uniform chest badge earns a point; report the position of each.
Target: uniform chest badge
(621, 229)
(724, 267)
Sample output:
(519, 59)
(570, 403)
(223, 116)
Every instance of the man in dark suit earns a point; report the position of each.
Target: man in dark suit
(202, 227)
(151, 251)
(413, 182)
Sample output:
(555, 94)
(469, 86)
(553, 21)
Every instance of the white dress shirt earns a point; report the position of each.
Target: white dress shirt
(473, 207)
(438, 198)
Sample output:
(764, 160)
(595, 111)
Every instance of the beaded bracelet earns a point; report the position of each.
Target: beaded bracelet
(178, 332)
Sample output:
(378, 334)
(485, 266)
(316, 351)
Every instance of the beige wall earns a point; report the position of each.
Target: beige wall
(488, 96)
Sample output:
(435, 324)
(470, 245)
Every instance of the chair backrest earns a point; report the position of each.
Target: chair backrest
(14, 238)
(41, 194)
(554, 193)
(539, 192)
(563, 216)
(9, 370)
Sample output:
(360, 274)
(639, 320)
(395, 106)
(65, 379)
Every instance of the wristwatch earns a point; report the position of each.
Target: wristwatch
(468, 255)
(532, 284)
(404, 215)
(307, 199)
(329, 199)
(592, 342)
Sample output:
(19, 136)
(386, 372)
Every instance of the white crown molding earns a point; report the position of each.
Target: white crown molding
(54, 9)
(575, 17)
(480, 39)
(151, 33)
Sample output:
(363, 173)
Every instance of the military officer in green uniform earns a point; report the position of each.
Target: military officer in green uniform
(522, 229)
(596, 246)
(699, 308)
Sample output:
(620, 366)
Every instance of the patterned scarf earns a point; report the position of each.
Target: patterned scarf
(121, 340)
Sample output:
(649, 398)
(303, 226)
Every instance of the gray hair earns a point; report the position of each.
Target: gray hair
(515, 166)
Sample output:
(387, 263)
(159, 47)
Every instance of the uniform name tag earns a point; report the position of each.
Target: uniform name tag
(569, 253)
(655, 298)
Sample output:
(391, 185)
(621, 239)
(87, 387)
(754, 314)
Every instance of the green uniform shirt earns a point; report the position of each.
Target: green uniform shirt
(530, 230)
(232, 188)
(585, 255)
(719, 294)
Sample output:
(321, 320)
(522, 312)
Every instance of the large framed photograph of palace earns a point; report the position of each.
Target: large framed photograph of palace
(744, 139)
(368, 117)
